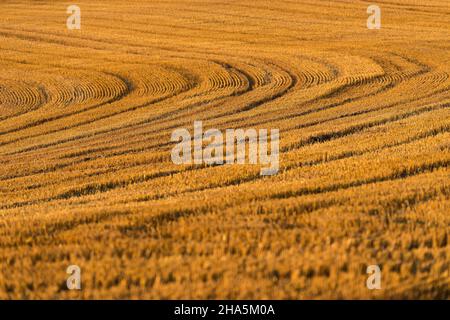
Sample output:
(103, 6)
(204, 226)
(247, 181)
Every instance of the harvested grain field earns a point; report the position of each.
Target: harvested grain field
(86, 175)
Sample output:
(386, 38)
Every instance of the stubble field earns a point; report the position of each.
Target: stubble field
(86, 176)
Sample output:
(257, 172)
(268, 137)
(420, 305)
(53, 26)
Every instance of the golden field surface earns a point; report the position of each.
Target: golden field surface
(86, 176)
